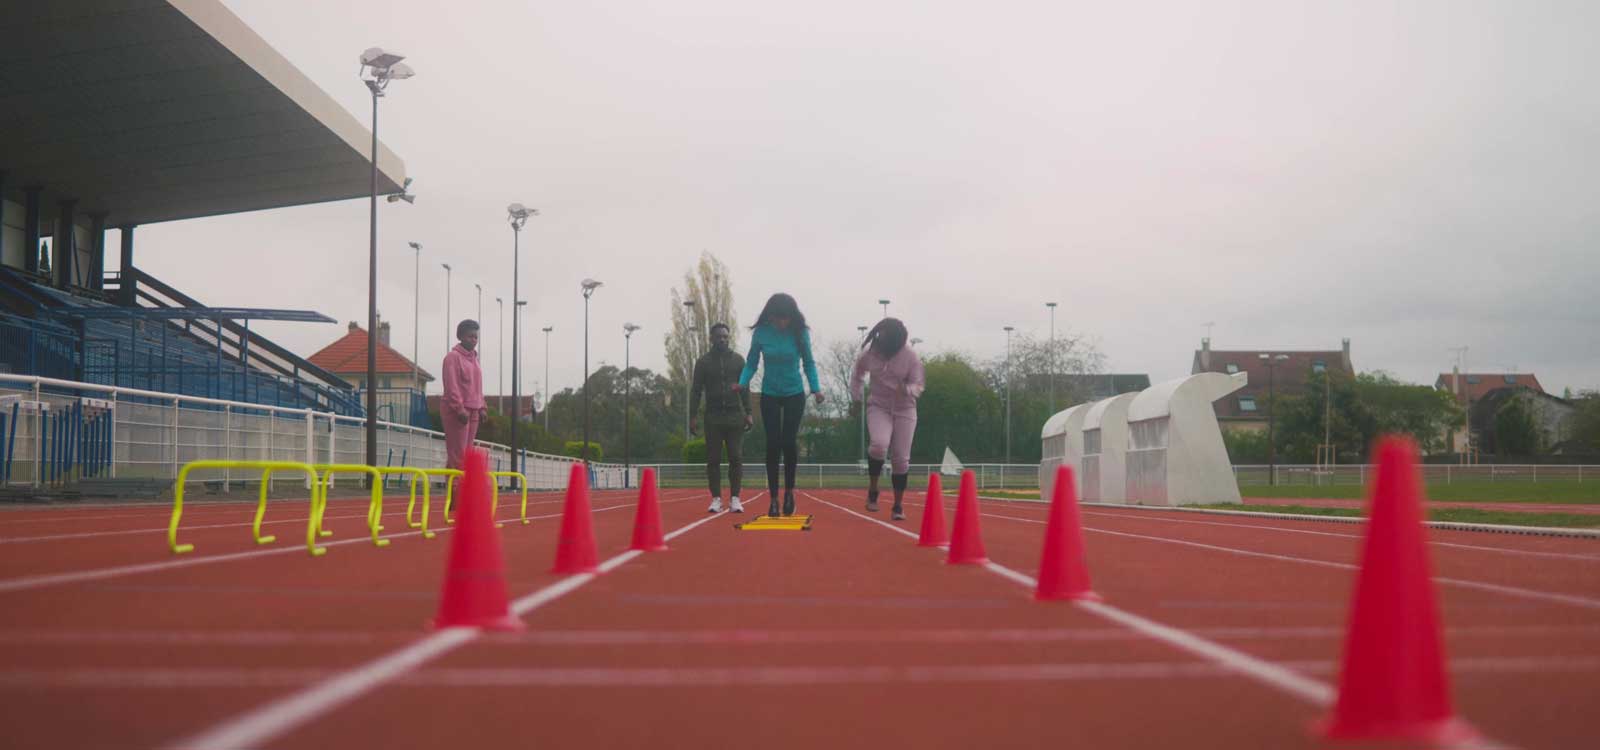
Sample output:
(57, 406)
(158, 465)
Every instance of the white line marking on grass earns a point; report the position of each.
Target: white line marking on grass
(1313, 691)
(1516, 591)
(59, 579)
(278, 717)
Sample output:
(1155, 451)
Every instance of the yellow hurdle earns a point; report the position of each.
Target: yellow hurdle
(522, 482)
(449, 486)
(266, 467)
(374, 506)
(416, 475)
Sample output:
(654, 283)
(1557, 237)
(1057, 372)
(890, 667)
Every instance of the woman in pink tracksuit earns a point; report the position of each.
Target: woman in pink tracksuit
(462, 408)
(897, 383)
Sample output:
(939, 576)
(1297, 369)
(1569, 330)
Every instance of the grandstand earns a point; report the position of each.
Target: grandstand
(142, 111)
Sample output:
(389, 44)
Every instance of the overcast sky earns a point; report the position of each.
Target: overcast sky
(1413, 176)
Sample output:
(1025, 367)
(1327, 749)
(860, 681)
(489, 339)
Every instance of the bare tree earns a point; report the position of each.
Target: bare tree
(836, 362)
(710, 287)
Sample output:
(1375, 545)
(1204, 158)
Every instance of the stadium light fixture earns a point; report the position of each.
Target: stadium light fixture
(378, 68)
(404, 194)
(589, 285)
(518, 215)
(885, 304)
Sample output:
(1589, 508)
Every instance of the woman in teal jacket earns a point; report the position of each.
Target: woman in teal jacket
(781, 338)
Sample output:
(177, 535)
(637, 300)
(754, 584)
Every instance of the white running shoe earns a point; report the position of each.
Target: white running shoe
(734, 506)
(716, 505)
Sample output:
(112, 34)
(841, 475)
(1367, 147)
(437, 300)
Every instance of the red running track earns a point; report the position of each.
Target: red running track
(1218, 632)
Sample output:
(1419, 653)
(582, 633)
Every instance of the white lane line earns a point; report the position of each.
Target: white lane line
(1313, 691)
(726, 638)
(144, 678)
(1280, 529)
(1521, 593)
(59, 579)
(278, 717)
(163, 529)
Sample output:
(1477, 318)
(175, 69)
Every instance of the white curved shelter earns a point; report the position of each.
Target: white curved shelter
(1062, 439)
(1175, 450)
(1105, 448)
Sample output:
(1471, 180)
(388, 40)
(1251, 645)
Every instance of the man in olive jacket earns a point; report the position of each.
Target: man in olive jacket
(716, 377)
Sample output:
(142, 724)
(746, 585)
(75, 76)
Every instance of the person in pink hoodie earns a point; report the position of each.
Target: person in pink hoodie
(897, 383)
(462, 407)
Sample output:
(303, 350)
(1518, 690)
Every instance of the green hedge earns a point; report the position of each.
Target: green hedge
(574, 448)
(694, 451)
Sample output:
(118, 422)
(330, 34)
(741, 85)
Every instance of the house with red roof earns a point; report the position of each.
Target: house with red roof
(401, 383)
(1280, 372)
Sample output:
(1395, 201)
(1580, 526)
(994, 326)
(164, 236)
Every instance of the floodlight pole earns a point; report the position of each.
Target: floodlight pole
(449, 328)
(372, 288)
(885, 304)
(546, 389)
(500, 353)
(627, 393)
(690, 329)
(588, 290)
(1052, 307)
(1008, 330)
(416, 322)
(518, 216)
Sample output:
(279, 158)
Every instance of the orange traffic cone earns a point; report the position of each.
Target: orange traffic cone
(933, 533)
(966, 541)
(474, 592)
(575, 549)
(1392, 685)
(1063, 572)
(647, 519)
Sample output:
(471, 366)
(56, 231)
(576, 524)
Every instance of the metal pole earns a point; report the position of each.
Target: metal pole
(1008, 394)
(516, 330)
(416, 326)
(1272, 419)
(546, 388)
(627, 393)
(372, 299)
(500, 353)
(861, 446)
(1052, 307)
(690, 330)
(586, 378)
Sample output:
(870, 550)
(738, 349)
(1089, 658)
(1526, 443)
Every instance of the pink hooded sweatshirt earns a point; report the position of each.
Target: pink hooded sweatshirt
(463, 381)
(897, 382)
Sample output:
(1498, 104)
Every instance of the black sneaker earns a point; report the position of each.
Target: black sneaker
(897, 513)
(788, 502)
(872, 501)
(772, 507)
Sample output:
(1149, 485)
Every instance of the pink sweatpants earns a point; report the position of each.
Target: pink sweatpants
(890, 436)
(458, 436)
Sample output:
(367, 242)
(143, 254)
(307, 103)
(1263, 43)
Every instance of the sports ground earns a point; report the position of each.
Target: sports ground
(1212, 632)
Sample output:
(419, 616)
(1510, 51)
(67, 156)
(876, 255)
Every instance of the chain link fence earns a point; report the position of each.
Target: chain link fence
(848, 476)
(1358, 474)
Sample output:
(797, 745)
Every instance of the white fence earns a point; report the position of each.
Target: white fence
(152, 434)
(823, 476)
(1357, 474)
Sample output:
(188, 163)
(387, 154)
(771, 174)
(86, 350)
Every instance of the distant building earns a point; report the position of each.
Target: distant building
(399, 395)
(1482, 394)
(1249, 407)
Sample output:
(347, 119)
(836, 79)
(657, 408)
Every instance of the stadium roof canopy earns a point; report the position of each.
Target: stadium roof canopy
(157, 110)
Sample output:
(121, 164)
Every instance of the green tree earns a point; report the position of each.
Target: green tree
(1246, 446)
(1353, 412)
(960, 410)
(1516, 432)
(1586, 420)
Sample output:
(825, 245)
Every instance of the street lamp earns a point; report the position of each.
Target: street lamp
(1272, 361)
(915, 341)
(589, 285)
(693, 331)
(1008, 330)
(885, 304)
(517, 214)
(416, 318)
(479, 287)
(449, 328)
(1052, 307)
(546, 389)
(862, 331)
(627, 392)
(378, 68)
(500, 353)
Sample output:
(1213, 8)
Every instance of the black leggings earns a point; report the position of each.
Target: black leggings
(780, 418)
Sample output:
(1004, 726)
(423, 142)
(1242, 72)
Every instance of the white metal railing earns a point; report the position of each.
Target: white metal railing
(1357, 474)
(823, 476)
(152, 434)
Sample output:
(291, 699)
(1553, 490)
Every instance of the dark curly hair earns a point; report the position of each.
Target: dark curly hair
(886, 338)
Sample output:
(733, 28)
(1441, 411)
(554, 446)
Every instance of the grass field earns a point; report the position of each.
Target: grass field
(1455, 515)
(1577, 493)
